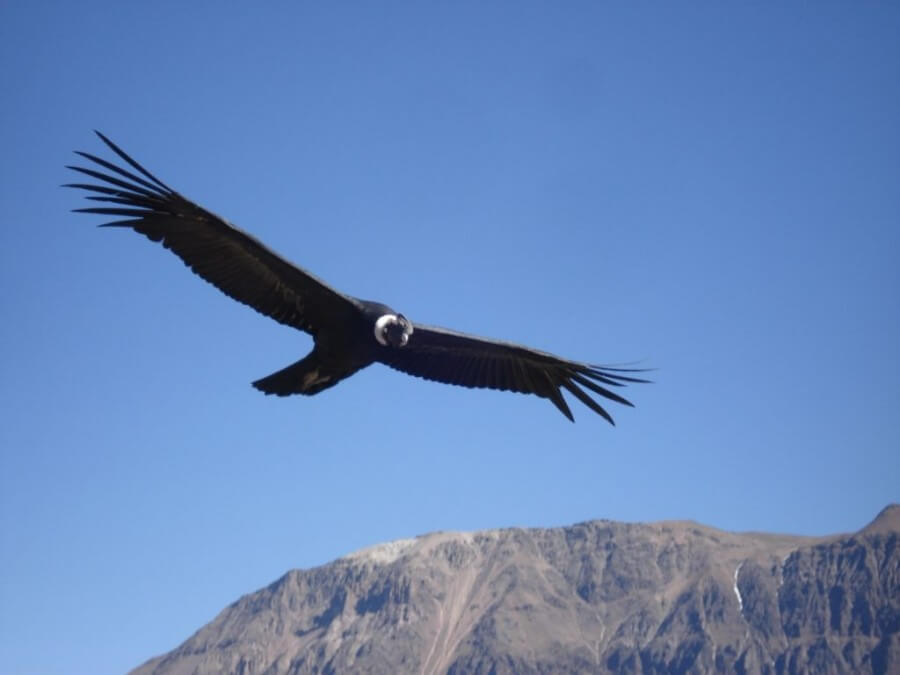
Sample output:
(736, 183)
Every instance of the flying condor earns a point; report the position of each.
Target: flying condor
(348, 333)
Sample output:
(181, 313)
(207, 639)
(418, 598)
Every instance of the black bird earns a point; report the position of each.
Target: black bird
(349, 333)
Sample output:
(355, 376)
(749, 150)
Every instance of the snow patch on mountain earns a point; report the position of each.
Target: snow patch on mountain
(383, 553)
(737, 591)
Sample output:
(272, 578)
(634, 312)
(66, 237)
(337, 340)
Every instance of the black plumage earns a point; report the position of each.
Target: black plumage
(348, 333)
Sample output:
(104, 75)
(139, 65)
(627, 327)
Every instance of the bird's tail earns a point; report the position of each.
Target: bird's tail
(307, 376)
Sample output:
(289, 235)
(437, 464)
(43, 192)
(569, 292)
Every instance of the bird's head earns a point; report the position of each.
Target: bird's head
(393, 330)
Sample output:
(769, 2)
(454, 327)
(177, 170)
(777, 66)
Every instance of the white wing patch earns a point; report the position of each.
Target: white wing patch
(313, 378)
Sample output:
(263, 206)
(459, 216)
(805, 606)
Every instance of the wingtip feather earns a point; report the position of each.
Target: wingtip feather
(134, 164)
(557, 399)
(588, 401)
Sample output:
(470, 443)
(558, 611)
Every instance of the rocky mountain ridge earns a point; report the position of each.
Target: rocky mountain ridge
(601, 596)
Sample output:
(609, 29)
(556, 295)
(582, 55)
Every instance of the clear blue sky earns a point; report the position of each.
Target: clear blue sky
(711, 190)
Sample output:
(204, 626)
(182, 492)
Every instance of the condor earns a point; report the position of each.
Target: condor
(348, 333)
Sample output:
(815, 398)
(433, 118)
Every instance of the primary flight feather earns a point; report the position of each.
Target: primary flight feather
(348, 333)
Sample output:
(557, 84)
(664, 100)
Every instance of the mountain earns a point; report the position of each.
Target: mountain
(601, 596)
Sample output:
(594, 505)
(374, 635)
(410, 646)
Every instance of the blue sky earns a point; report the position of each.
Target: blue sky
(710, 190)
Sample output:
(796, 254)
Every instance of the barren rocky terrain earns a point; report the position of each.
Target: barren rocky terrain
(601, 596)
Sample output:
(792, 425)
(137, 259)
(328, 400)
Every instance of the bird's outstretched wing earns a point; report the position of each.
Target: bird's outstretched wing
(231, 260)
(456, 358)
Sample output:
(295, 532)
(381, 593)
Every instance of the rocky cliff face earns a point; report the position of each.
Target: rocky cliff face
(595, 597)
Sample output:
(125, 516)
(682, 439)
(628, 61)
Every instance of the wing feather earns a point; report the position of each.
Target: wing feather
(457, 358)
(230, 259)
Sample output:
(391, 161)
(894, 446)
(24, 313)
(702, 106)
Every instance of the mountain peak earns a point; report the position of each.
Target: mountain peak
(888, 520)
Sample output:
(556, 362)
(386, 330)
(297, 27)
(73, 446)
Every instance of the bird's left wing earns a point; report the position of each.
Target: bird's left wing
(230, 259)
(456, 358)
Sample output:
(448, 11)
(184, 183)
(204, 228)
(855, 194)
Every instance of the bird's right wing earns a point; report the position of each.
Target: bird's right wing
(230, 259)
(456, 358)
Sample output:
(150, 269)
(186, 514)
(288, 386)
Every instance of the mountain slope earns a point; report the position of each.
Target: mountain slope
(669, 597)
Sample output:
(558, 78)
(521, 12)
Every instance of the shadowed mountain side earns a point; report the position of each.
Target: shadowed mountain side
(671, 597)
